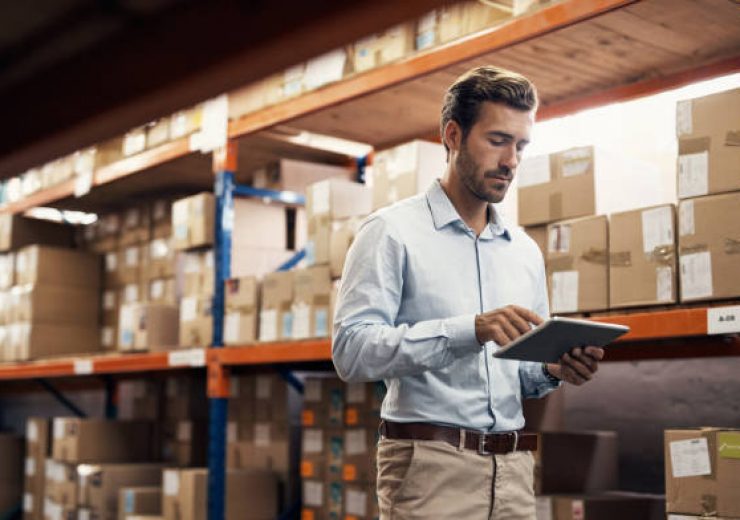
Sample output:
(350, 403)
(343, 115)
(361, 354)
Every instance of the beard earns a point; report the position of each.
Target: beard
(474, 178)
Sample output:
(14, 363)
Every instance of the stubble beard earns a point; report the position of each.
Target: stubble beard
(473, 179)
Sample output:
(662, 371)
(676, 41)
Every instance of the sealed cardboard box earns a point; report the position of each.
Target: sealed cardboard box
(137, 501)
(708, 144)
(7, 271)
(185, 399)
(255, 96)
(642, 257)
(465, 18)
(38, 340)
(184, 494)
(60, 304)
(702, 468)
(296, 176)
(186, 122)
(136, 226)
(258, 262)
(193, 221)
(134, 141)
(709, 247)
(132, 293)
(54, 266)
(240, 301)
(131, 264)
(61, 484)
(338, 199)
(99, 485)
(160, 259)
(584, 181)
(576, 462)
(276, 299)
(577, 265)
(315, 504)
(148, 327)
(198, 276)
(270, 233)
(100, 441)
(251, 494)
(276, 457)
(162, 291)
(539, 235)
(38, 438)
(406, 170)
(161, 219)
(112, 273)
(196, 321)
(312, 293)
(17, 231)
(342, 235)
(158, 132)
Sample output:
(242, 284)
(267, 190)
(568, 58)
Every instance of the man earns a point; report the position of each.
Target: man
(432, 286)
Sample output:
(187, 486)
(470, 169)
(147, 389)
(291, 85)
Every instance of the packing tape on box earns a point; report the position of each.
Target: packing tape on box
(663, 255)
(620, 259)
(595, 256)
(555, 206)
(732, 246)
(561, 263)
(732, 138)
(697, 248)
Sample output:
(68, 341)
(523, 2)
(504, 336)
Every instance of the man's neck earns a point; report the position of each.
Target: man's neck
(471, 209)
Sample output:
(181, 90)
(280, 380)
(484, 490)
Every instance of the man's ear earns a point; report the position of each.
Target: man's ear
(452, 135)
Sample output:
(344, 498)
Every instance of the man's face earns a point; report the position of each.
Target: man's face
(487, 159)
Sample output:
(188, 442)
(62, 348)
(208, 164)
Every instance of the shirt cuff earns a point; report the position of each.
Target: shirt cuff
(460, 332)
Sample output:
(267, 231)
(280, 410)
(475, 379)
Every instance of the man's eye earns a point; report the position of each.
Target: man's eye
(495, 142)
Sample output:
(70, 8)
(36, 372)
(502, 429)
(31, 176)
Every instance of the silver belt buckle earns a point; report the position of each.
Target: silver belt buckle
(482, 445)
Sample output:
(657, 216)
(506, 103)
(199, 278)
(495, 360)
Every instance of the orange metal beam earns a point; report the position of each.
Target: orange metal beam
(140, 162)
(282, 352)
(58, 192)
(640, 89)
(548, 19)
(677, 323)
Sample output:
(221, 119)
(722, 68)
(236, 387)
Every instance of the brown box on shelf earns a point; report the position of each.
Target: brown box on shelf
(455, 21)
(184, 494)
(39, 340)
(405, 170)
(296, 176)
(55, 266)
(136, 226)
(362, 403)
(576, 462)
(132, 293)
(161, 219)
(59, 304)
(709, 247)
(108, 231)
(251, 494)
(257, 95)
(342, 235)
(38, 437)
(197, 270)
(546, 414)
(642, 257)
(539, 235)
(311, 294)
(61, 483)
(360, 501)
(186, 122)
(137, 501)
(109, 307)
(7, 271)
(185, 399)
(162, 291)
(577, 265)
(109, 152)
(241, 306)
(134, 141)
(276, 299)
(17, 231)
(158, 132)
(708, 144)
(131, 264)
(323, 402)
(246, 454)
(272, 231)
(160, 259)
(112, 273)
(99, 485)
(702, 468)
(258, 262)
(585, 181)
(358, 461)
(196, 321)
(148, 327)
(100, 441)
(193, 221)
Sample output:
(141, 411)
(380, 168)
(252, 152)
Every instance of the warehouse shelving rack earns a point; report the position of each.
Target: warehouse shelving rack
(581, 53)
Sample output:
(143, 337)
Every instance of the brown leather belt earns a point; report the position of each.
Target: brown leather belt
(483, 443)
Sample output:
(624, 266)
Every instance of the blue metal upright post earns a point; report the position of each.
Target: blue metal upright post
(218, 406)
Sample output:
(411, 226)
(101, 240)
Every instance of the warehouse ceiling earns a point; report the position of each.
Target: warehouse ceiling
(74, 72)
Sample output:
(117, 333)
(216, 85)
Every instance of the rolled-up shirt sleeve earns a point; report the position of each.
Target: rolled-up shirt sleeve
(368, 343)
(535, 383)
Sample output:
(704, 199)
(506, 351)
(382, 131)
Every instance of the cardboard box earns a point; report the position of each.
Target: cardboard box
(139, 501)
(17, 231)
(342, 235)
(185, 442)
(599, 507)
(315, 504)
(158, 132)
(360, 501)
(709, 247)
(257, 262)
(241, 304)
(406, 170)
(459, 20)
(34, 341)
(251, 494)
(708, 144)
(7, 271)
(276, 299)
(160, 259)
(99, 485)
(193, 221)
(362, 404)
(134, 141)
(186, 122)
(546, 414)
(576, 462)
(54, 266)
(38, 437)
(539, 235)
(38, 447)
(61, 484)
(311, 294)
(148, 327)
(162, 291)
(246, 454)
(323, 402)
(585, 181)
(101, 441)
(198, 275)
(184, 494)
(702, 468)
(296, 176)
(112, 272)
(255, 96)
(360, 448)
(270, 231)
(196, 321)
(185, 399)
(161, 219)
(131, 264)
(642, 257)
(55, 304)
(577, 265)
(136, 226)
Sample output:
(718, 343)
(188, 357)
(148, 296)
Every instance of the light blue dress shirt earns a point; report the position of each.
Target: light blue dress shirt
(413, 282)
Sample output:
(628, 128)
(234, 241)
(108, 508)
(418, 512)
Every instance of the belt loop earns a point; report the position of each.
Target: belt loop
(461, 444)
(516, 440)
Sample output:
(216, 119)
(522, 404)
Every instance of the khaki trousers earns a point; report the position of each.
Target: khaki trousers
(435, 480)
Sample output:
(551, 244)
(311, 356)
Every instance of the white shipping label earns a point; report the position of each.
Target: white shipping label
(355, 441)
(324, 69)
(356, 503)
(159, 248)
(111, 262)
(664, 284)
(189, 308)
(32, 432)
(312, 390)
(301, 321)
(321, 198)
(355, 393)
(232, 323)
(107, 336)
(83, 366)
(723, 320)
(232, 432)
(30, 466)
(83, 514)
(696, 275)
(313, 494)
(184, 431)
(83, 183)
(564, 291)
(109, 300)
(684, 118)
(262, 437)
(171, 483)
(131, 293)
(156, 289)
(313, 441)
(681, 517)
(576, 161)
(134, 142)
(693, 175)
(559, 239)
(132, 257)
(543, 508)
(27, 503)
(657, 228)
(534, 170)
(195, 357)
(268, 325)
(214, 125)
(59, 426)
(690, 458)
(686, 224)
(264, 387)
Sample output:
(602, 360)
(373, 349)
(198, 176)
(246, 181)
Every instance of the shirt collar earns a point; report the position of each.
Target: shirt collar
(444, 213)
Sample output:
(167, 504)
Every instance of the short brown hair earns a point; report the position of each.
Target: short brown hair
(464, 97)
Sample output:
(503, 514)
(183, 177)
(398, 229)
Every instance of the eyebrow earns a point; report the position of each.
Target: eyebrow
(497, 133)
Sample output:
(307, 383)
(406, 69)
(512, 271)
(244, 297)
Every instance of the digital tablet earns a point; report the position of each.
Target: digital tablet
(548, 341)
